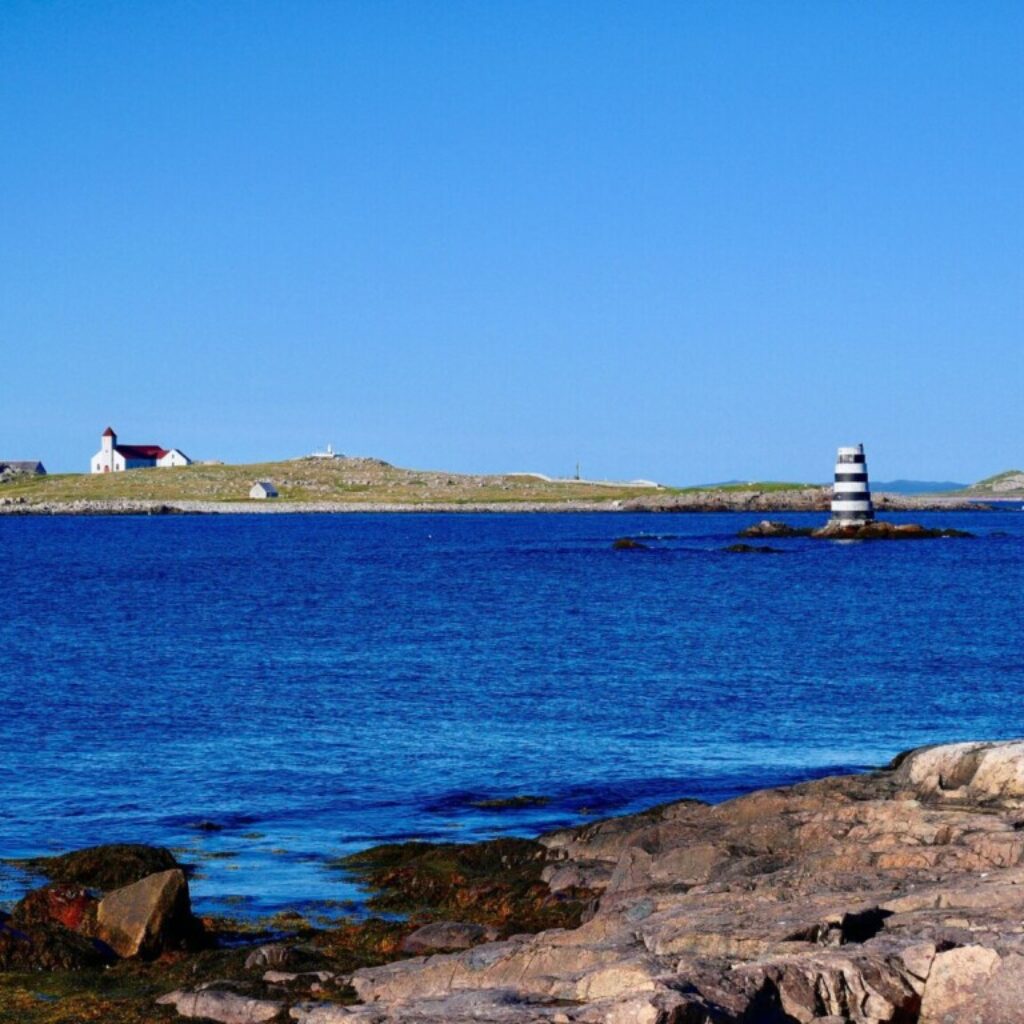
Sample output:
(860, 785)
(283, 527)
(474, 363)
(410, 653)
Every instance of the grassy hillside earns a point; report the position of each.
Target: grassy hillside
(343, 479)
(753, 485)
(1007, 484)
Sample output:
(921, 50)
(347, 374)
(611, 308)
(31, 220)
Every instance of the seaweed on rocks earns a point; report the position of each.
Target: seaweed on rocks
(102, 867)
(496, 882)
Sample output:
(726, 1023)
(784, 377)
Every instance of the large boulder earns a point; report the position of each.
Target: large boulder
(954, 979)
(835, 985)
(964, 772)
(147, 917)
(974, 985)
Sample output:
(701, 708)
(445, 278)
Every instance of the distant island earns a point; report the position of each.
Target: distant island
(344, 484)
(918, 486)
(1009, 484)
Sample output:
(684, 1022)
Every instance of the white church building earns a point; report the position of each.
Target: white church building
(114, 458)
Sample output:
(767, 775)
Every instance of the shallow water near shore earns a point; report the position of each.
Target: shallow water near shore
(266, 693)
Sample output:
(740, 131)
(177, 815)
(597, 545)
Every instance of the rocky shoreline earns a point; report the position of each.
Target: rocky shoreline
(804, 500)
(811, 499)
(896, 895)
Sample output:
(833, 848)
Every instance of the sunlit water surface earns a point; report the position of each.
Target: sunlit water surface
(313, 684)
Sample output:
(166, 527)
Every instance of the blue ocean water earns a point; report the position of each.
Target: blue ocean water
(314, 684)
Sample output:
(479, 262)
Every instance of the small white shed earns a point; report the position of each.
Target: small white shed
(263, 489)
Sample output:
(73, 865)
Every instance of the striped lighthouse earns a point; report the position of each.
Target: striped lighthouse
(851, 496)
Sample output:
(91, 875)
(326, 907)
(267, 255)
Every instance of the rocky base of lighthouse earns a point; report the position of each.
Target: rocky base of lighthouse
(878, 530)
(839, 530)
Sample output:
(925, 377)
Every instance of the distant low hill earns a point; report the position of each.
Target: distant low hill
(752, 485)
(888, 486)
(916, 486)
(360, 480)
(1009, 484)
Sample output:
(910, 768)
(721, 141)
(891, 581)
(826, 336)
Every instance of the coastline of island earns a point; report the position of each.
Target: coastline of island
(698, 500)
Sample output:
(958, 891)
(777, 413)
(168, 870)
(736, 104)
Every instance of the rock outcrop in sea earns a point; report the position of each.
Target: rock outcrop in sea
(876, 530)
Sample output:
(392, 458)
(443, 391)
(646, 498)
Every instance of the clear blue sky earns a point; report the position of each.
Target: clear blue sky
(686, 241)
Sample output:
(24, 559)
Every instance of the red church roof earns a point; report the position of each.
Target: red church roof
(109, 432)
(140, 451)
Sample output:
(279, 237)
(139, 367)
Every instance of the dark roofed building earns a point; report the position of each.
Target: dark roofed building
(14, 467)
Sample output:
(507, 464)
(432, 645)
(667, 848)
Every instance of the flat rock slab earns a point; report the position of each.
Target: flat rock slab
(223, 1007)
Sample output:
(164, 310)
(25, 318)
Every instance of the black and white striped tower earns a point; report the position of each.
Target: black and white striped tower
(851, 496)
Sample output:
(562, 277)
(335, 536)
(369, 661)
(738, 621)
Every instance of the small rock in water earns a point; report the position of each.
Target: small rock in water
(629, 544)
(759, 549)
(502, 803)
(772, 528)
